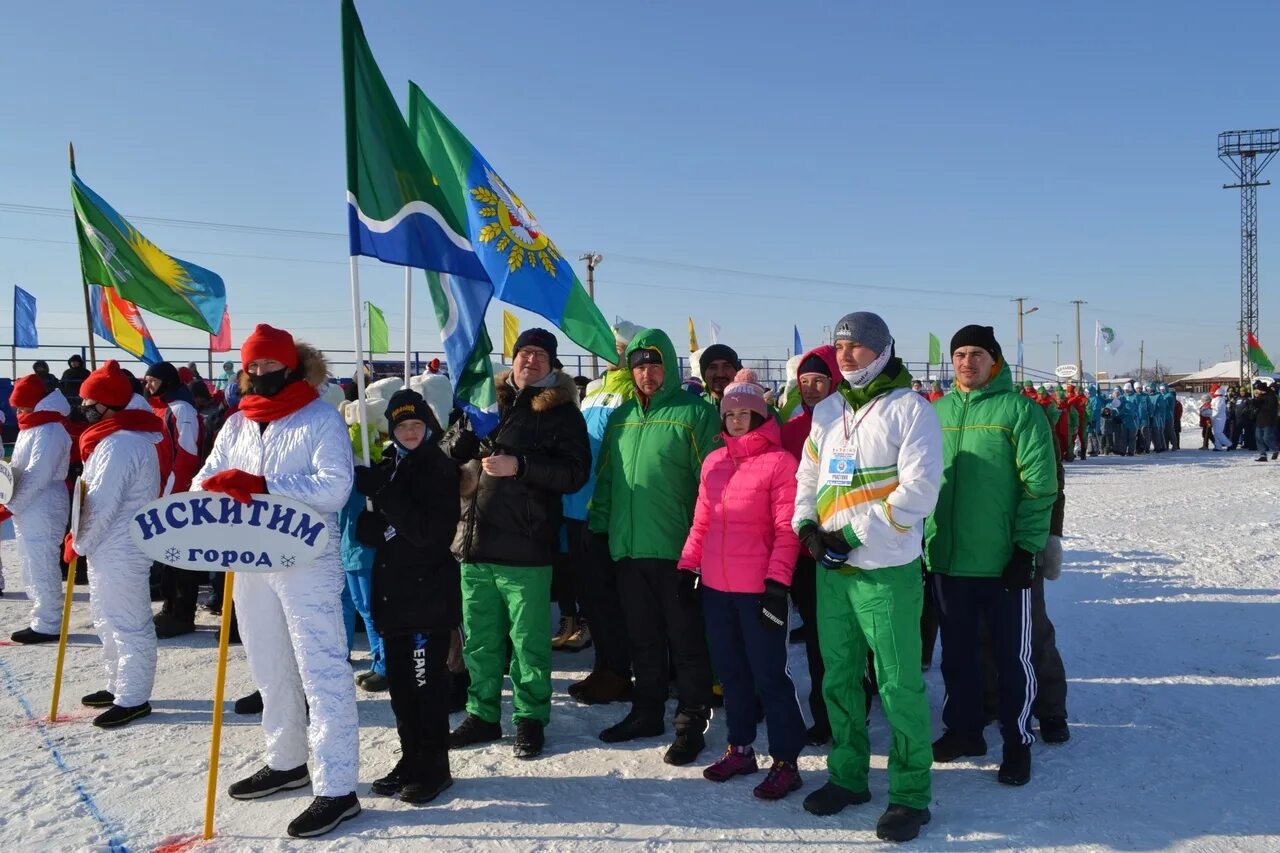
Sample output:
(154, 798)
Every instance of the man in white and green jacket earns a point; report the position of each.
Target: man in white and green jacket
(868, 478)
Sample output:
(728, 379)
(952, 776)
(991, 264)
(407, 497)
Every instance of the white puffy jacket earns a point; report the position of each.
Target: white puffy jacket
(873, 472)
(40, 505)
(295, 615)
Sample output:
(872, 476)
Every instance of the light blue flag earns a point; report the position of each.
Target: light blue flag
(799, 348)
(24, 320)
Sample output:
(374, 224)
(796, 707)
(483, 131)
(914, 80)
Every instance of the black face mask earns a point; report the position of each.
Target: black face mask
(91, 414)
(269, 384)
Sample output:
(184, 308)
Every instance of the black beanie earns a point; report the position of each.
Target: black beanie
(536, 338)
(408, 405)
(167, 374)
(718, 352)
(976, 336)
(814, 364)
(644, 355)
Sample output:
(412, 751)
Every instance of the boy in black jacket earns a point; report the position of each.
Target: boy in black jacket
(417, 598)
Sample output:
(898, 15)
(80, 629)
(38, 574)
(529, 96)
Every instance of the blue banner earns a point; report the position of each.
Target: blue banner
(24, 320)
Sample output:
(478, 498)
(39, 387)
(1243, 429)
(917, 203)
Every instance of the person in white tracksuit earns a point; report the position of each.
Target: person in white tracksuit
(286, 441)
(1219, 419)
(40, 503)
(121, 474)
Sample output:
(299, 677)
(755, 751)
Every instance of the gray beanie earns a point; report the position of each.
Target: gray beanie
(863, 327)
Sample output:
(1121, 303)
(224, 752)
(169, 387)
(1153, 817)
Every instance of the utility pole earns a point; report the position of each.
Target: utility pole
(593, 260)
(1057, 350)
(1079, 360)
(1141, 347)
(1021, 314)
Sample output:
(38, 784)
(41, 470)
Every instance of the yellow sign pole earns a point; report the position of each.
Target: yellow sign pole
(224, 639)
(62, 640)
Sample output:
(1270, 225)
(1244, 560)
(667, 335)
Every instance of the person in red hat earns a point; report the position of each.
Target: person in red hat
(39, 503)
(122, 472)
(284, 440)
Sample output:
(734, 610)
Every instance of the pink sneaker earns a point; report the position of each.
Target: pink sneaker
(736, 761)
(783, 778)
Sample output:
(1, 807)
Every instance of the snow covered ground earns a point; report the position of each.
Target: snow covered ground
(1164, 619)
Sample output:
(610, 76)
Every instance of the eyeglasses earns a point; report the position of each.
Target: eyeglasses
(529, 354)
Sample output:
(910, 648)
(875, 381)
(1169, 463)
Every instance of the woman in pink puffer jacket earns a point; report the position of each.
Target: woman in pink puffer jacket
(743, 551)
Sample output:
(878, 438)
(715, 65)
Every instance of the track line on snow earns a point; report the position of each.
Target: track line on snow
(115, 838)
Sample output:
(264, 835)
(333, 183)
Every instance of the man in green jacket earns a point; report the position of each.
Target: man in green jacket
(999, 485)
(646, 488)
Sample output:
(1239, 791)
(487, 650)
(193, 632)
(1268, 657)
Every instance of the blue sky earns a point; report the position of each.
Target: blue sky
(756, 165)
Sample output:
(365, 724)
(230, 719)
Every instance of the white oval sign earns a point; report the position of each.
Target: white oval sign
(213, 532)
(1066, 371)
(6, 482)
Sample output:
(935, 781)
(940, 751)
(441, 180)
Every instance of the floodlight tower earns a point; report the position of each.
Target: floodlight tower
(1246, 153)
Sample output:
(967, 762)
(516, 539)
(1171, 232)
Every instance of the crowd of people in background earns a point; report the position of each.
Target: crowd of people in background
(673, 520)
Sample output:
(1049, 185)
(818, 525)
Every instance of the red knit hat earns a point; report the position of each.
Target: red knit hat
(28, 391)
(108, 385)
(272, 343)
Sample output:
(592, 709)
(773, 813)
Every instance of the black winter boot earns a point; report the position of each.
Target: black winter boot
(1016, 767)
(529, 739)
(474, 730)
(901, 823)
(953, 745)
(1054, 730)
(690, 725)
(636, 724)
(832, 799)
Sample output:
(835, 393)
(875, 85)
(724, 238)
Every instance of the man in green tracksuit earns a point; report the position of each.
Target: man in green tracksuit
(513, 483)
(867, 480)
(646, 488)
(999, 485)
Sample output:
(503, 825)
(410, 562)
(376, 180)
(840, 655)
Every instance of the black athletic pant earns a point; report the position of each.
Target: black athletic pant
(805, 595)
(604, 608)
(181, 590)
(419, 682)
(657, 622)
(1051, 675)
(568, 572)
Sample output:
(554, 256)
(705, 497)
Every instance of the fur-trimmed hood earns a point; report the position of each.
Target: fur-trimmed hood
(563, 392)
(312, 363)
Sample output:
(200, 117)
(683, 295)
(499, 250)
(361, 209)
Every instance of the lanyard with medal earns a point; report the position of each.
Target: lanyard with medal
(844, 457)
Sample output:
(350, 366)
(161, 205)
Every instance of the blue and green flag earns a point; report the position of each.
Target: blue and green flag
(459, 306)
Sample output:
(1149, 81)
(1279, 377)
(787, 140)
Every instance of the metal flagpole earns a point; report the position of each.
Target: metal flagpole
(408, 323)
(219, 687)
(88, 314)
(359, 377)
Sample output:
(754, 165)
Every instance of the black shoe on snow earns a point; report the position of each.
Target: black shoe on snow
(474, 730)
(421, 793)
(30, 636)
(901, 823)
(391, 784)
(1016, 767)
(266, 782)
(249, 705)
(953, 745)
(529, 739)
(685, 748)
(99, 699)
(168, 626)
(1054, 730)
(1262, 458)
(818, 735)
(634, 725)
(375, 683)
(323, 815)
(118, 715)
(832, 799)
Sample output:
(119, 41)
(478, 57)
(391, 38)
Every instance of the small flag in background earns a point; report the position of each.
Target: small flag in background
(510, 331)
(715, 332)
(799, 350)
(1105, 337)
(117, 321)
(221, 342)
(379, 340)
(935, 349)
(1258, 357)
(24, 320)
(693, 337)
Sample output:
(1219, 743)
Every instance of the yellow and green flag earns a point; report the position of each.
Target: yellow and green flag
(935, 349)
(510, 331)
(379, 340)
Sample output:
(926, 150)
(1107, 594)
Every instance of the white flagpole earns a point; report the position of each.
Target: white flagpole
(408, 322)
(359, 377)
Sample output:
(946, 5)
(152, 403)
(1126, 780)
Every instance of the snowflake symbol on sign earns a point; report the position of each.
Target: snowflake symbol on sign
(287, 560)
(172, 554)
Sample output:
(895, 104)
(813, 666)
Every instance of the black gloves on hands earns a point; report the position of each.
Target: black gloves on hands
(811, 539)
(1020, 570)
(371, 529)
(688, 585)
(370, 481)
(828, 549)
(773, 605)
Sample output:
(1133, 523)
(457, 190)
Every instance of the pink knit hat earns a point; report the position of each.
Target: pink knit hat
(744, 392)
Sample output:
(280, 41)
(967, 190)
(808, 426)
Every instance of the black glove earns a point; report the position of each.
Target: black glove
(811, 539)
(688, 585)
(465, 446)
(370, 481)
(773, 605)
(371, 529)
(1020, 570)
(836, 550)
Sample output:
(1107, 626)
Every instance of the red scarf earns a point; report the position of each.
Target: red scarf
(292, 397)
(134, 420)
(27, 420)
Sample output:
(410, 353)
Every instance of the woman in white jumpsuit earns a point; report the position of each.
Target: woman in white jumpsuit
(121, 474)
(40, 503)
(286, 441)
(1219, 418)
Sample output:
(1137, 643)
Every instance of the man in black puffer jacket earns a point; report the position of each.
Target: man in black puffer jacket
(416, 597)
(1265, 418)
(512, 485)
